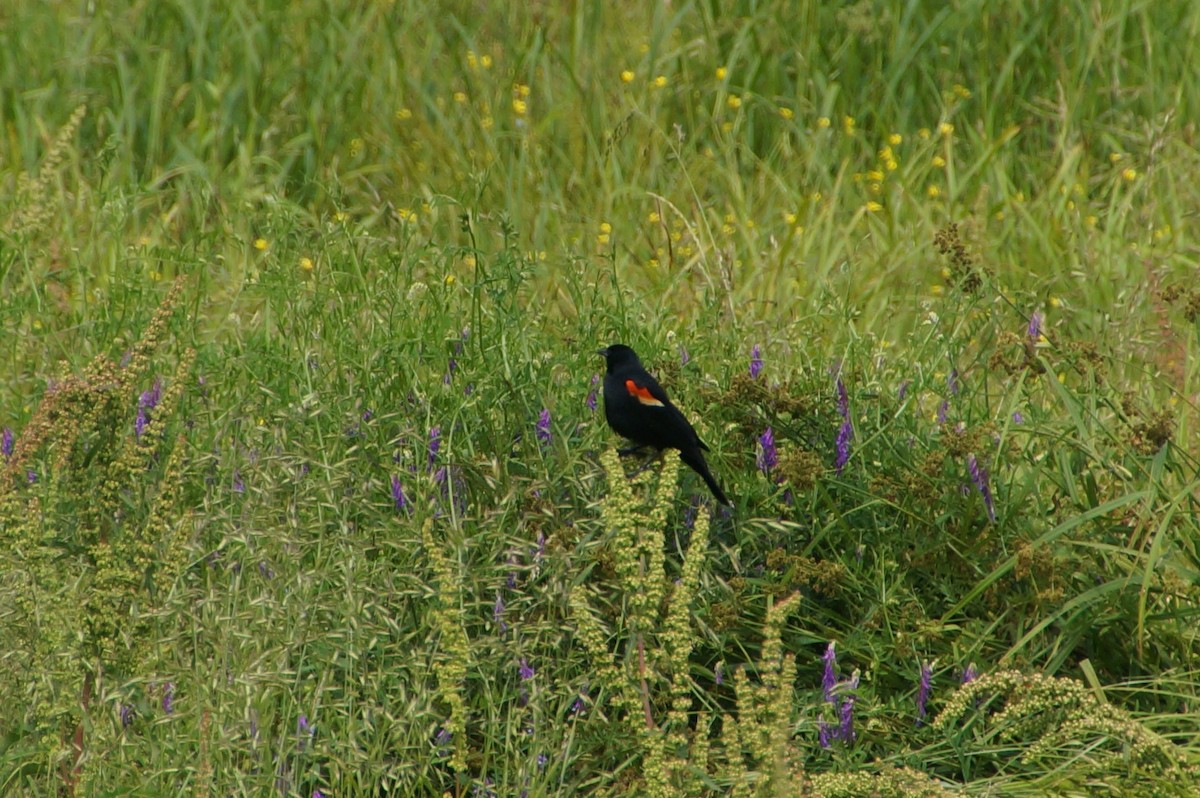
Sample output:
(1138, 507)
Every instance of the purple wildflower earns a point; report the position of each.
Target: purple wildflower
(756, 362)
(498, 613)
(304, 731)
(442, 740)
(127, 715)
(969, 673)
(843, 399)
(462, 339)
(1035, 326)
(845, 434)
(846, 430)
(952, 383)
(239, 486)
(979, 475)
(31, 476)
(1018, 418)
(6, 443)
(942, 410)
(580, 703)
(719, 673)
(540, 551)
(845, 731)
(824, 737)
(923, 689)
(829, 677)
(543, 428)
(903, 392)
(591, 397)
(684, 357)
(168, 699)
(768, 458)
(525, 670)
(367, 415)
(398, 497)
(150, 398)
(435, 443)
(318, 794)
(451, 367)
(542, 759)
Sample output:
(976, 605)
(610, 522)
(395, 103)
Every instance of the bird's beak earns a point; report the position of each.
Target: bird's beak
(602, 352)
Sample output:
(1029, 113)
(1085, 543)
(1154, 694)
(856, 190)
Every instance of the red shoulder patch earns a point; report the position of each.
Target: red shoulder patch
(642, 394)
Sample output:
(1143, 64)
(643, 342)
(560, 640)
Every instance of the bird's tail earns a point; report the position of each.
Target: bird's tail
(696, 460)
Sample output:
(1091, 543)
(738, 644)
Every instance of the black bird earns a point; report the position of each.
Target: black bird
(637, 408)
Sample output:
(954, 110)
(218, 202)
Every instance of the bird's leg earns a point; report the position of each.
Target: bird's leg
(649, 461)
(628, 450)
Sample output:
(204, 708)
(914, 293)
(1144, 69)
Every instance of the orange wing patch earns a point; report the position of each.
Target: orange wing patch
(643, 395)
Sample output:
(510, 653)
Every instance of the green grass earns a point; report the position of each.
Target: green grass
(391, 218)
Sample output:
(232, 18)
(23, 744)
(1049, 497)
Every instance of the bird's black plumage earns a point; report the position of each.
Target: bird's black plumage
(637, 408)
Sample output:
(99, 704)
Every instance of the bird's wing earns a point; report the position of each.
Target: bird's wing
(646, 390)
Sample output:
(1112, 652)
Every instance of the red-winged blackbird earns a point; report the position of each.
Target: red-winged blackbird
(637, 407)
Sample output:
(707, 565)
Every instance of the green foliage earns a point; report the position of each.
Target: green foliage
(958, 236)
(93, 532)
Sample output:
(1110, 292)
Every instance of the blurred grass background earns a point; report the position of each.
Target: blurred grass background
(396, 217)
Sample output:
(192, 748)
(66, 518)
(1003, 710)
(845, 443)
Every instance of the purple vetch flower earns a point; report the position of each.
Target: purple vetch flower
(719, 673)
(398, 497)
(969, 674)
(150, 398)
(543, 428)
(844, 436)
(580, 702)
(756, 362)
(591, 397)
(1018, 418)
(979, 475)
(684, 357)
(768, 458)
(239, 486)
(903, 391)
(1035, 326)
(31, 476)
(318, 794)
(451, 367)
(304, 731)
(435, 443)
(168, 699)
(542, 759)
(127, 715)
(540, 551)
(6, 442)
(367, 415)
(525, 670)
(462, 340)
(952, 383)
(845, 731)
(843, 399)
(942, 410)
(829, 676)
(498, 613)
(824, 736)
(846, 430)
(923, 688)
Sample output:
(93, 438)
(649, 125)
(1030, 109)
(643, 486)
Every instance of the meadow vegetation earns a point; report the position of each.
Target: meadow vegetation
(306, 488)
